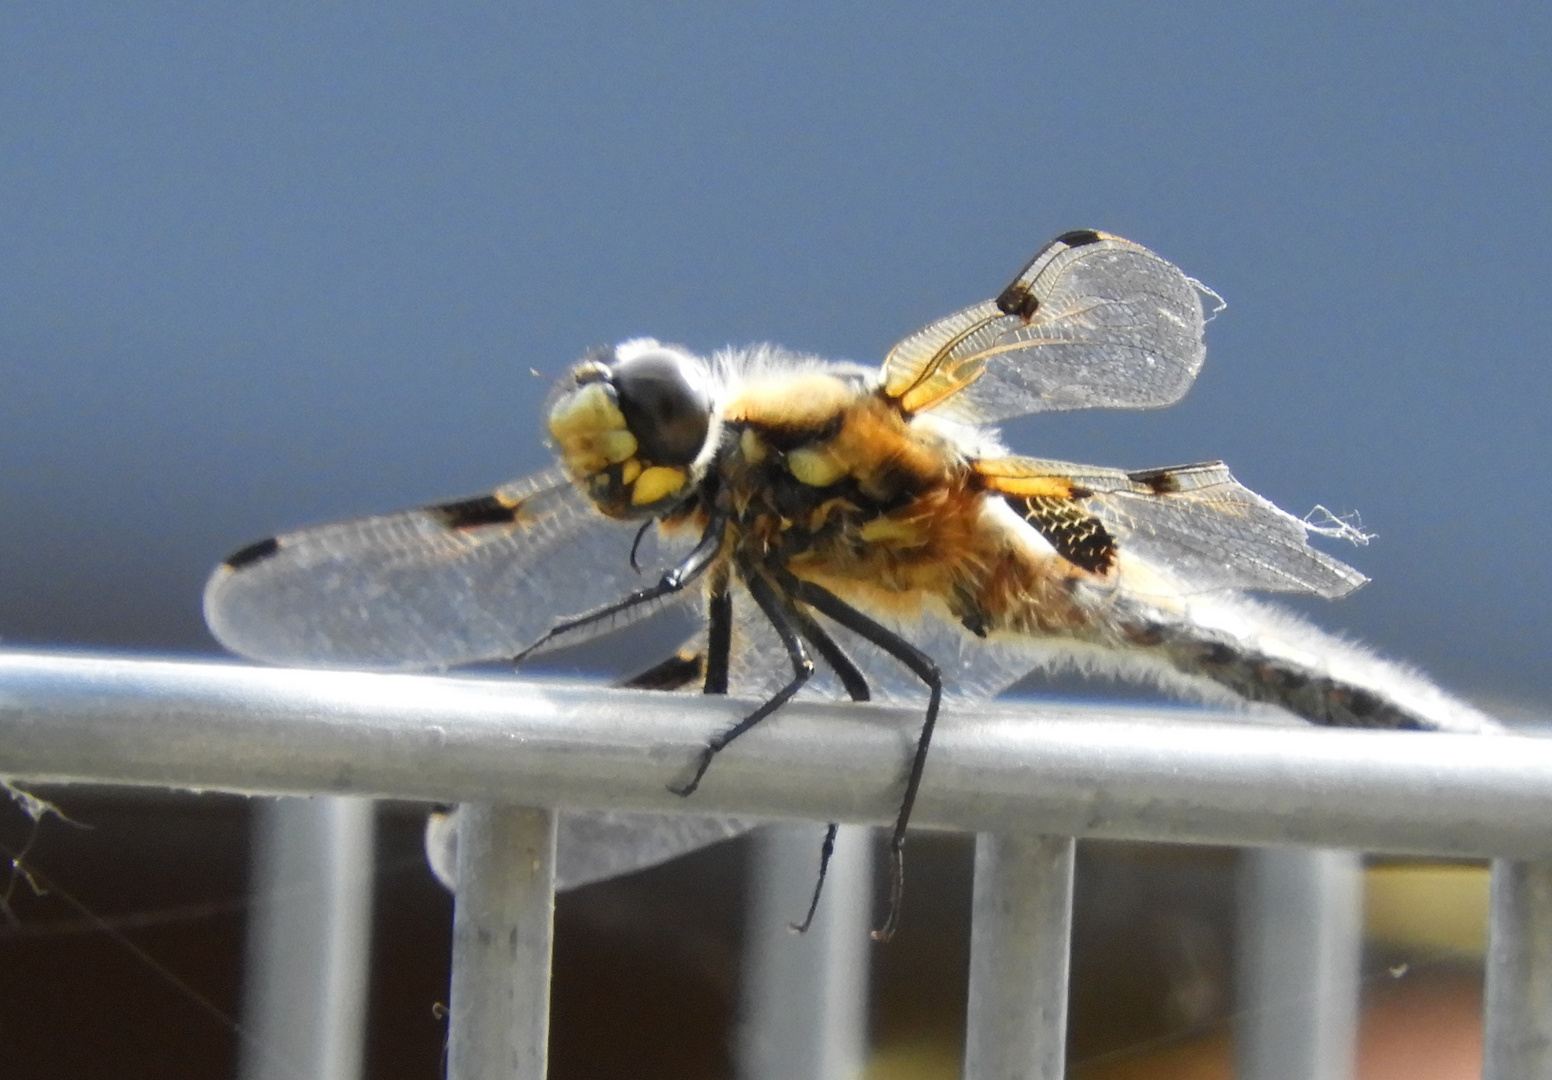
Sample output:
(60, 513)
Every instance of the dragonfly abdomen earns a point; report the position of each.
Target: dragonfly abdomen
(1265, 655)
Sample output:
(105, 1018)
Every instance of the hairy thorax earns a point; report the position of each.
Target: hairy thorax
(829, 480)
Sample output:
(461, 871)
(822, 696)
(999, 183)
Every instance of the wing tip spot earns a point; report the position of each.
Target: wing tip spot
(1080, 237)
(253, 553)
(1017, 299)
(675, 673)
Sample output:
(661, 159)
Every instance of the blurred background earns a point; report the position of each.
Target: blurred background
(267, 265)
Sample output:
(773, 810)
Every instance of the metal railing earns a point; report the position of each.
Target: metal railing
(1028, 779)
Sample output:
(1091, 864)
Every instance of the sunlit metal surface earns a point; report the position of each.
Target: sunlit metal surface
(1299, 945)
(1518, 1037)
(503, 929)
(1045, 769)
(305, 975)
(1151, 774)
(803, 1009)
(1021, 926)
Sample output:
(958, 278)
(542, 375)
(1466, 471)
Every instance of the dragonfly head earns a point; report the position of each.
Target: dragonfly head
(632, 423)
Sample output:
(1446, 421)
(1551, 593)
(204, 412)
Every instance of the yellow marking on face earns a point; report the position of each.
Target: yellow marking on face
(751, 446)
(815, 467)
(888, 529)
(655, 484)
(616, 446)
(629, 471)
(585, 413)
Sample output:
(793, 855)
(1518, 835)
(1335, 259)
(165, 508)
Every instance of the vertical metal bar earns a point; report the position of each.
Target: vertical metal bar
(1020, 945)
(1299, 948)
(503, 920)
(805, 997)
(1518, 1022)
(309, 937)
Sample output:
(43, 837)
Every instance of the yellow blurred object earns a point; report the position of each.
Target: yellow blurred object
(1423, 1022)
(1201, 1058)
(925, 1059)
(1440, 908)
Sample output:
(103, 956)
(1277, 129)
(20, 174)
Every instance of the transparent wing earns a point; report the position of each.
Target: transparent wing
(455, 583)
(477, 579)
(1195, 521)
(1093, 321)
(595, 845)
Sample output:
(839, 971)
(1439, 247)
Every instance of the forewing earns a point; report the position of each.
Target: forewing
(1195, 522)
(477, 579)
(1092, 321)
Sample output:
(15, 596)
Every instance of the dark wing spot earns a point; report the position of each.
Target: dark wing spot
(1076, 535)
(1016, 299)
(253, 553)
(1158, 481)
(472, 513)
(675, 673)
(1079, 238)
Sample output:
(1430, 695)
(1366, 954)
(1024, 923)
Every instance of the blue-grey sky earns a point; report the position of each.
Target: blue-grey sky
(262, 265)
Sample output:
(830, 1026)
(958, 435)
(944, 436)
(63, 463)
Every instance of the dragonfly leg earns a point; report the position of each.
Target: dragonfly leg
(689, 570)
(710, 665)
(826, 850)
(857, 688)
(834, 656)
(719, 638)
(802, 670)
(920, 664)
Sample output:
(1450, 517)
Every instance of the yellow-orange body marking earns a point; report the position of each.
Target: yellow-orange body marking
(896, 519)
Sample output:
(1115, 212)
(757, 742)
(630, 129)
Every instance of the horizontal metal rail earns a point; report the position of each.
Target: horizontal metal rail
(1026, 778)
(1059, 770)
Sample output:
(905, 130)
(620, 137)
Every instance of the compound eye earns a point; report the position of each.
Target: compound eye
(667, 404)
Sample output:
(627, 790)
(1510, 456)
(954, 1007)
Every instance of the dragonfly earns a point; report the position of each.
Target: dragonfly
(866, 524)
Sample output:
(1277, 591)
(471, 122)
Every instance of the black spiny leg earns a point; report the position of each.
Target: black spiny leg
(853, 680)
(826, 849)
(802, 671)
(696, 563)
(636, 543)
(709, 667)
(719, 638)
(922, 665)
(857, 687)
